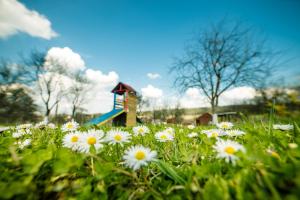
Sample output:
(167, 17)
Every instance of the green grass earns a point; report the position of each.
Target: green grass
(186, 168)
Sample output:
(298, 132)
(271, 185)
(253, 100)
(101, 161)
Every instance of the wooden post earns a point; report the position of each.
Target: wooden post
(131, 109)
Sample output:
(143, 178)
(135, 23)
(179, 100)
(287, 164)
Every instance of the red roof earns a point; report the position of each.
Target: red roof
(121, 88)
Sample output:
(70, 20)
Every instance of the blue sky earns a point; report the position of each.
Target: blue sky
(134, 38)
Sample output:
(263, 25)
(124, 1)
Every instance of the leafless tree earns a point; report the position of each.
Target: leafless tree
(225, 55)
(48, 79)
(77, 92)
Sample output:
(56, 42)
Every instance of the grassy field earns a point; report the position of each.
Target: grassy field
(183, 168)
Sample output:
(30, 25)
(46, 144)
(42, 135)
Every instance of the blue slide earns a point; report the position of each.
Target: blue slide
(105, 117)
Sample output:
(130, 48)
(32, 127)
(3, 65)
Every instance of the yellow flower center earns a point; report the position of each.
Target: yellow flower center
(69, 125)
(274, 154)
(214, 134)
(225, 126)
(140, 155)
(163, 137)
(74, 138)
(229, 150)
(91, 140)
(118, 138)
(141, 130)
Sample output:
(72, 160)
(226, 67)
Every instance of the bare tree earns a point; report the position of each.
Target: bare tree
(224, 56)
(48, 79)
(77, 92)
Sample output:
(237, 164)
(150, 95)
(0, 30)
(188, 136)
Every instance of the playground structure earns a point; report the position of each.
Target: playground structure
(124, 108)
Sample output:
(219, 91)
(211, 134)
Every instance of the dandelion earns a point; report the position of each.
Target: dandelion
(117, 137)
(232, 133)
(225, 125)
(293, 145)
(71, 140)
(164, 136)
(140, 130)
(227, 149)
(214, 133)
(283, 127)
(70, 126)
(24, 144)
(137, 156)
(192, 135)
(92, 138)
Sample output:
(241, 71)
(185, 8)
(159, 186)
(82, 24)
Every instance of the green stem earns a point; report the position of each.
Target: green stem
(92, 166)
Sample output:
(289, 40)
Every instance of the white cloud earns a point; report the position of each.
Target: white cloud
(237, 95)
(65, 57)
(153, 75)
(15, 17)
(151, 92)
(193, 97)
(99, 98)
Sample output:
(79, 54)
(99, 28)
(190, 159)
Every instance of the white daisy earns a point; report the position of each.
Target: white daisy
(23, 144)
(192, 135)
(232, 133)
(140, 130)
(70, 126)
(24, 126)
(41, 124)
(90, 138)
(191, 126)
(283, 127)
(21, 132)
(164, 136)
(51, 126)
(225, 125)
(137, 156)
(227, 149)
(117, 137)
(214, 133)
(273, 153)
(170, 131)
(71, 140)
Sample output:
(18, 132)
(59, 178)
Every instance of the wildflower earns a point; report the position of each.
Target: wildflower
(137, 156)
(192, 135)
(283, 127)
(117, 137)
(70, 126)
(23, 144)
(24, 126)
(71, 140)
(41, 124)
(140, 130)
(273, 153)
(191, 126)
(164, 136)
(227, 149)
(92, 138)
(51, 126)
(170, 131)
(234, 133)
(21, 132)
(225, 125)
(293, 145)
(214, 133)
